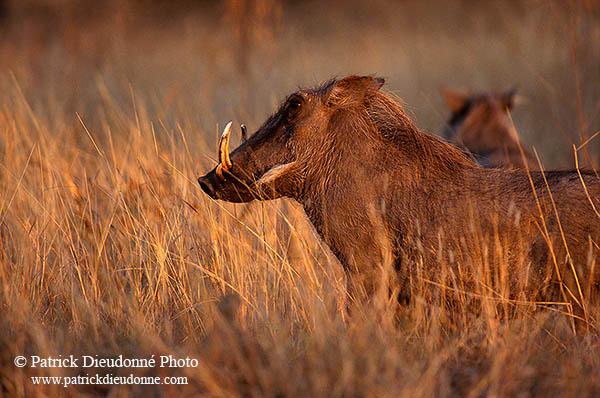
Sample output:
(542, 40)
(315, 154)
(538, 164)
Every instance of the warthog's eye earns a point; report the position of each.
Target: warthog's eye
(294, 105)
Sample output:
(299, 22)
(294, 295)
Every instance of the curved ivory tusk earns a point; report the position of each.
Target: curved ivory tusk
(224, 160)
(244, 132)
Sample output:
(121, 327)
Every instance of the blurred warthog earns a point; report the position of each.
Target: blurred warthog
(479, 123)
(381, 192)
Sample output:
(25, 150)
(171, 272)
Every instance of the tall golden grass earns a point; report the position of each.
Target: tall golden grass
(108, 247)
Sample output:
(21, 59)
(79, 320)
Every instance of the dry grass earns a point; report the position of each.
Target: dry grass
(109, 247)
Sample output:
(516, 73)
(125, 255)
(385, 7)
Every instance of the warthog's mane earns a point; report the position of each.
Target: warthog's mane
(394, 126)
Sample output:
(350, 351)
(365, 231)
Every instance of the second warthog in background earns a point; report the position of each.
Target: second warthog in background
(479, 123)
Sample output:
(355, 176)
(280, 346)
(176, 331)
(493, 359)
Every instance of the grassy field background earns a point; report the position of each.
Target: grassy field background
(108, 247)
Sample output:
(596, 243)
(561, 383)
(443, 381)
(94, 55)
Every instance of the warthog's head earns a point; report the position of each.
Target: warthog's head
(476, 113)
(274, 161)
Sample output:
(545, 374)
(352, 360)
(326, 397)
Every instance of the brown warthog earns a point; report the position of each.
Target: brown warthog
(479, 123)
(379, 191)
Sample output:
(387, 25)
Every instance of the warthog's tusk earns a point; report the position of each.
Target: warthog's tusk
(244, 132)
(224, 160)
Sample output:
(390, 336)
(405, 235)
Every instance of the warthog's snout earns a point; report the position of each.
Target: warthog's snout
(206, 186)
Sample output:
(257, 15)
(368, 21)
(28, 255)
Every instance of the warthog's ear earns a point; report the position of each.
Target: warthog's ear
(509, 98)
(281, 180)
(455, 100)
(352, 90)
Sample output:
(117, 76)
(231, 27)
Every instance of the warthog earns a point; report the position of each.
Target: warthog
(479, 123)
(379, 191)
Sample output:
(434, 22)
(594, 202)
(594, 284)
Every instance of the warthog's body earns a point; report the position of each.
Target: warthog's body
(377, 189)
(479, 123)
